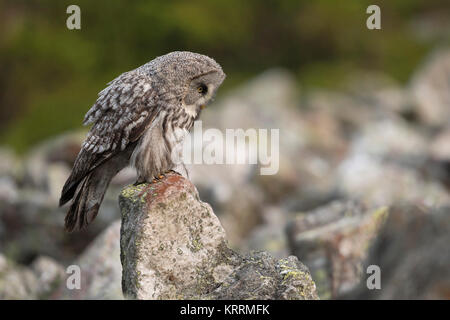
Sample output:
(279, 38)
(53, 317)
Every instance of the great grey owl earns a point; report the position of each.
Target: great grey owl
(137, 119)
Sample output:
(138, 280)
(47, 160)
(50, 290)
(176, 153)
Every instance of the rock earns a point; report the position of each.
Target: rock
(49, 273)
(16, 282)
(57, 174)
(430, 26)
(332, 241)
(242, 213)
(440, 147)
(37, 281)
(388, 162)
(390, 138)
(412, 253)
(270, 235)
(344, 108)
(380, 92)
(260, 276)
(431, 89)
(379, 182)
(100, 269)
(10, 164)
(438, 164)
(20, 238)
(32, 225)
(174, 247)
(269, 101)
(266, 101)
(61, 150)
(8, 190)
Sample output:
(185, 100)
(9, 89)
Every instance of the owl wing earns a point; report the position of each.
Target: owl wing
(121, 114)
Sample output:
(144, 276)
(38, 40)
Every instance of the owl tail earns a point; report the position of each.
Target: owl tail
(87, 188)
(86, 201)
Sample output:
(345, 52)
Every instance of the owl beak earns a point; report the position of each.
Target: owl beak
(203, 106)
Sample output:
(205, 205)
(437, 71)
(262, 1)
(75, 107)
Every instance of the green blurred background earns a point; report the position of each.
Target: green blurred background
(49, 75)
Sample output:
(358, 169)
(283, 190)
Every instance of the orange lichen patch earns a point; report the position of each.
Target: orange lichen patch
(160, 190)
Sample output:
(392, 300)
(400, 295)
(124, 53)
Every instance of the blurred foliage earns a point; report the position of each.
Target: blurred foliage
(50, 75)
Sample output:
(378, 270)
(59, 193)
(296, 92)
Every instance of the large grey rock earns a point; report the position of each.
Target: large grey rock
(50, 275)
(32, 225)
(391, 138)
(332, 241)
(260, 276)
(100, 269)
(16, 282)
(37, 281)
(10, 164)
(431, 88)
(48, 164)
(8, 190)
(380, 182)
(377, 90)
(412, 253)
(270, 235)
(440, 146)
(353, 114)
(174, 247)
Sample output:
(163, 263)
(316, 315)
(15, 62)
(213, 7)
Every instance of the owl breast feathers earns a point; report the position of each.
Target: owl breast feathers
(137, 120)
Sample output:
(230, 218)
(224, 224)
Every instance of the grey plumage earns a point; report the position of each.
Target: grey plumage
(137, 119)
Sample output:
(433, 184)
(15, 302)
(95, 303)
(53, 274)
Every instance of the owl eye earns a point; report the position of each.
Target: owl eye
(202, 89)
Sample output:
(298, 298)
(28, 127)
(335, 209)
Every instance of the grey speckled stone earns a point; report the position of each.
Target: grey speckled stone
(412, 253)
(174, 247)
(100, 269)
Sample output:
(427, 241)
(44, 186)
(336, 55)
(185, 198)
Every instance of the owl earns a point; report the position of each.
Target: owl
(137, 120)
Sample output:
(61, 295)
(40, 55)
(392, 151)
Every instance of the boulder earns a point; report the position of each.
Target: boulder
(332, 241)
(50, 275)
(37, 281)
(10, 164)
(412, 253)
(48, 164)
(440, 146)
(100, 269)
(31, 223)
(431, 89)
(380, 182)
(16, 282)
(270, 235)
(174, 247)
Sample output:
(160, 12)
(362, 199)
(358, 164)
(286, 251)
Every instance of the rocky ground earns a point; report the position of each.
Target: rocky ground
(364, 179)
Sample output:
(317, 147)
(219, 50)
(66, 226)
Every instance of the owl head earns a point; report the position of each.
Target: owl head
(193, 78)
